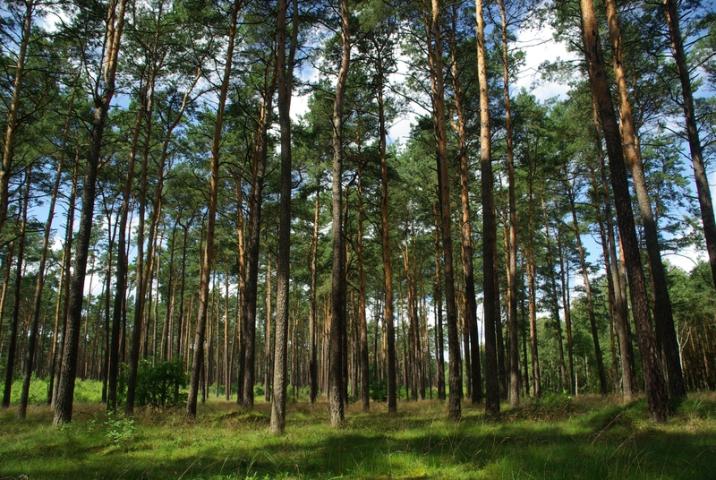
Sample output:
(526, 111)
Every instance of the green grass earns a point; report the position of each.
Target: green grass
(86, 391)
(556, 438)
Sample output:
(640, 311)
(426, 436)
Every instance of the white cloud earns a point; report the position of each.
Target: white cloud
(539, 46)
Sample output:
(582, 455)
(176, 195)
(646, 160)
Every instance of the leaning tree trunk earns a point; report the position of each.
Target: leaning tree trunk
(655, 387)
(208, 253)
(8, 151)
(663, 316)
(140, 291)
(621, 315)
(702, 185)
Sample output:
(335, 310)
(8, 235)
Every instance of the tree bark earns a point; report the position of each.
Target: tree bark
(388, 317)
(655, 387)
(466, 250)
(37, 299)
(62, 306)
(313, 319)
(603, 388)
(338, 294)
(663, 316)
(11, 125)
(489, 233)
(102, 100)
(12, 346)
(514, 385)
(208, 253)
(697, 161)
(438, 298)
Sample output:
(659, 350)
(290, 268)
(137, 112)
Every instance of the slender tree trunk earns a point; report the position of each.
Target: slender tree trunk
(514, 387)
(37, 300)
(438, 298)
(588, 291)
(111, 235)
(655, 387)
(702, 185)
(12, 346)
(11, 124)
(438, 98)
(118, 316)
(268, 337)
(466, 251)
(7, 266)
(313, 319)
(102, 100)
(254, 233)
(140, 291)
(284, 72)
(620, 310)
(208, 253)
(554, 299)
(338, 294)
(564, 280)
(62, 310)
(388, 317)
(492, 396)
(362, 322)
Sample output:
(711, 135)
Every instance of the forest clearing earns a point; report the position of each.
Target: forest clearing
(357, 239)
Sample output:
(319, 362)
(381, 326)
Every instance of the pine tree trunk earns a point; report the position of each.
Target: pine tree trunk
(564, 278)
(702, 185)
(12, 346)
(492, 390)
(37, 299)
(102, 101)
(63, 305)
(466, 250)
(313, 318)
(388, 317)
(362, 322)
(336, 379)
(514, 367)
(655, 387)
(603, 388)
(254, 236)
(268, 336)
(663, 316)
(438, 96)
(208, 253)
(11, 124)
(437, 295)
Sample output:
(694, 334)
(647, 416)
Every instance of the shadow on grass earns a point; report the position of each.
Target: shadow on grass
(610, 443)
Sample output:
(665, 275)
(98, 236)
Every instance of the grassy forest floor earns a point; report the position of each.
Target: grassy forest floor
(556, 438)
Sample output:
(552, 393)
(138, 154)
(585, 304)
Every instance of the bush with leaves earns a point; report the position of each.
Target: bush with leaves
(158, 383)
